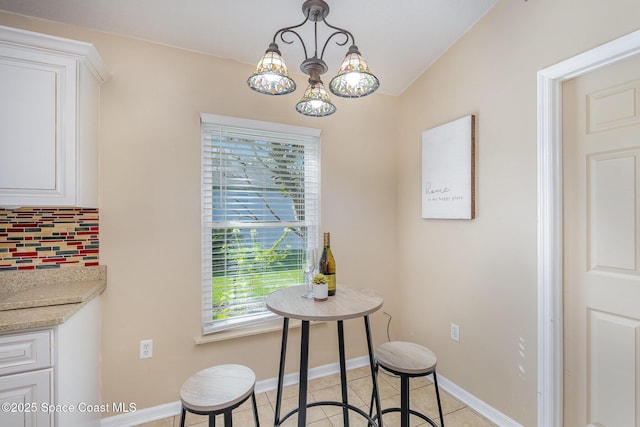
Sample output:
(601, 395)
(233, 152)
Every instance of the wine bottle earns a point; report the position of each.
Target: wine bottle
(328, 265)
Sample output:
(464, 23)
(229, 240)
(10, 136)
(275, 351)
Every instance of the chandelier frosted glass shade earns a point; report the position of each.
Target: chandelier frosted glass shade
(272, 76)
(315, 102)
(354, 79)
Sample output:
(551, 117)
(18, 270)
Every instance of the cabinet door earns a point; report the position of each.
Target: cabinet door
(25, 399)
(37, 126)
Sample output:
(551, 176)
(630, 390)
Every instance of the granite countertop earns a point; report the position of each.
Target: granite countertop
(34, 299)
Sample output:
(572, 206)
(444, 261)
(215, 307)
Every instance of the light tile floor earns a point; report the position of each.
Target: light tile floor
(423, 399)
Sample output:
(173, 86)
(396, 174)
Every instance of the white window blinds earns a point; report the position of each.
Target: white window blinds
(260, 212)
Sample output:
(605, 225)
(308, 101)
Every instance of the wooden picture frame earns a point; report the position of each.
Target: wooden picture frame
(448, 170)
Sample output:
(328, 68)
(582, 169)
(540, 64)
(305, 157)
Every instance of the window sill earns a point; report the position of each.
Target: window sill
(266, 327)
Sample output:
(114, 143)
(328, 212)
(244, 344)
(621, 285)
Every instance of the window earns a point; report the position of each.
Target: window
(260, 212)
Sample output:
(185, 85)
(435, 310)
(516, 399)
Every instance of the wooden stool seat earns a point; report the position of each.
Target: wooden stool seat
(407, 360)
(406, 357)
(218, 390)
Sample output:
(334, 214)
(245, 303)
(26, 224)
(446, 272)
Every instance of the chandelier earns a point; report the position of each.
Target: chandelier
(354, 79)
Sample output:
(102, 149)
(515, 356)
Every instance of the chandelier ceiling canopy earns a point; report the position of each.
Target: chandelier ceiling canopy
(353, 80)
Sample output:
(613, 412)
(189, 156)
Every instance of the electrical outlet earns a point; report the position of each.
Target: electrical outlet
(455, 332)
(146, 349)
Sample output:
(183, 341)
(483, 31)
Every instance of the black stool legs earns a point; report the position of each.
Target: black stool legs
(404, 409)
(228, 417)
(435, 383)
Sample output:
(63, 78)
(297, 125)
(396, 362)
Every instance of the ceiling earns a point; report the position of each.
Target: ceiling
(398, 38)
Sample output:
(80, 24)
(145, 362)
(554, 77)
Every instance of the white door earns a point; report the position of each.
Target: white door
(601, 194)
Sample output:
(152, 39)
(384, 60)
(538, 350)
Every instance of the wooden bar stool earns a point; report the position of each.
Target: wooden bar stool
(218, 390)
(408, 360)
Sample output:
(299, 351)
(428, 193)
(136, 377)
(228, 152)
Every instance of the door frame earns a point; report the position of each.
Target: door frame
(549, 139)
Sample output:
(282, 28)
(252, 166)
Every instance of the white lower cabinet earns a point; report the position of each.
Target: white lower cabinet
(51, 377)
(25, 399)
(26, 378)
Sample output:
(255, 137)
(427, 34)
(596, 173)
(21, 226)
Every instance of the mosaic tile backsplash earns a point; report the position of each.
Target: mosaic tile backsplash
(37, 238)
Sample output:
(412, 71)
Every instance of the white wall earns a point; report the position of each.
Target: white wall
(482, 274)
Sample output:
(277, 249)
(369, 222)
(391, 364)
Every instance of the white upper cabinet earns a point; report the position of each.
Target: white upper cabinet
(49, 117)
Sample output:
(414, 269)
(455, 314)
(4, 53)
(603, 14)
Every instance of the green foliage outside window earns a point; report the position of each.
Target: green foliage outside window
(257, 271)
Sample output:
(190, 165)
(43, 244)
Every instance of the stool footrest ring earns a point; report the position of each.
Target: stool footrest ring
(370, 421)
(412, 412)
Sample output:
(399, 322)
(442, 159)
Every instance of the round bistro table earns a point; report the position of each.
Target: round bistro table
(347, 303)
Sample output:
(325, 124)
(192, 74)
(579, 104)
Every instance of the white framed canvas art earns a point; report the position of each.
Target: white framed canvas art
(448, 170)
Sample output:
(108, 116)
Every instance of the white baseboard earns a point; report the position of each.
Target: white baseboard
(489, 412)
(142, 416)
(172, 409)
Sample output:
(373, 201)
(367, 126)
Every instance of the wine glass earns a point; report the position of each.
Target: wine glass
(309, 271)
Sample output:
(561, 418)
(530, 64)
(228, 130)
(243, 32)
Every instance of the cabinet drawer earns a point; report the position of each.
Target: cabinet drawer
(25, 351)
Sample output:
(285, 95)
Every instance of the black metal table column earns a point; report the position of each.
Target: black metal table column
(343, 374)
(304, 374)
(283, 354)
(374, 373)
